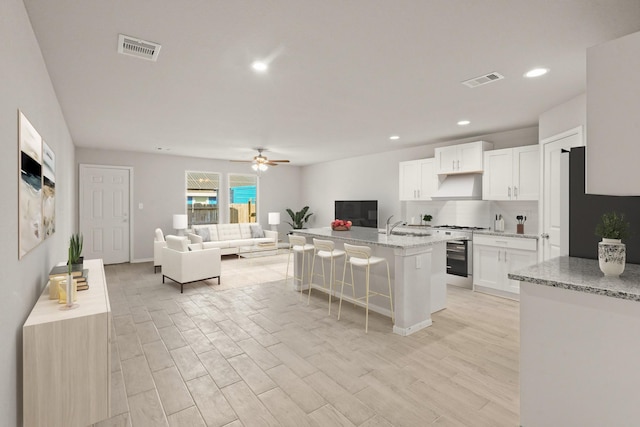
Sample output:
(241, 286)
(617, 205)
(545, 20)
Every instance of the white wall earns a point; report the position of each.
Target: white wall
(563, 117)
(159, 184)
(613, 107)
(376, 176)
(26, 86)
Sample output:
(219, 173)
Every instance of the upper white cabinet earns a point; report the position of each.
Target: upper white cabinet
(461, 158)
(418, 180)
(512, 174)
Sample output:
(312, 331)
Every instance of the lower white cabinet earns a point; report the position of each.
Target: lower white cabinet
(495, 256)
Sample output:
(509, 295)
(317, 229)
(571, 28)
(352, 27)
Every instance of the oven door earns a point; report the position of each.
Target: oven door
(457, 258)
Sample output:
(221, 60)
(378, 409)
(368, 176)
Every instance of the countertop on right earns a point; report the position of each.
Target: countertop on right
(505, 234)
(582, 275)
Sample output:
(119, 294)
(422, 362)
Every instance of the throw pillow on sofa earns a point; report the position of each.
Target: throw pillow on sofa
(256, 231)
(204, 233)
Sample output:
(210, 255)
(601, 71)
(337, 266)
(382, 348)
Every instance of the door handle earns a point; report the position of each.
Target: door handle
(509, 191)
(545, 235)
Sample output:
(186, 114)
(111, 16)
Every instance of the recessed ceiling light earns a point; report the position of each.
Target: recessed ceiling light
(394, 137)
(260, 66)
(463, 122)
(536, 72)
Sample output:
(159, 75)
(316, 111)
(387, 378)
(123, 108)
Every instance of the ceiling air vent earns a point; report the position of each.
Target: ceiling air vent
(483, 80)
(139, 48)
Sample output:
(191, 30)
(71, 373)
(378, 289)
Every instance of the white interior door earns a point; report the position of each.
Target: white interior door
(555, 193)
(104, 212)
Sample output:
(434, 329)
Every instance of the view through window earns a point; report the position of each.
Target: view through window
(202, 197)
(243, 198)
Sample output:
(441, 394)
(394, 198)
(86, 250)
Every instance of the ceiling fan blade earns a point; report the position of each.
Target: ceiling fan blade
(281, 161)
(242, 161)
(270, 163)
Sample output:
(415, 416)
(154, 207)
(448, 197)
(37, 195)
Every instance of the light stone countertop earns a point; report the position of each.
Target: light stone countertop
(372, 236)
(582, 275)
(506, 234)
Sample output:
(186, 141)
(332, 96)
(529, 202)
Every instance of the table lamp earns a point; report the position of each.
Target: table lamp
(274, 220)
(180, 223)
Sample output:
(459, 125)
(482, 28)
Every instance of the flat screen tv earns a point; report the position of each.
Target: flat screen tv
(362, 213)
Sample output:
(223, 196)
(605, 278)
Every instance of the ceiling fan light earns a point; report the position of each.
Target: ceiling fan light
(262, 167)
(254, 166)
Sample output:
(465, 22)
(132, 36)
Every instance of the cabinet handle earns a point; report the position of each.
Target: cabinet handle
(515, 192)
(505, 256)
(498, 256)
(453, 165)
(458, 164)
(418, 193)
(509, 192)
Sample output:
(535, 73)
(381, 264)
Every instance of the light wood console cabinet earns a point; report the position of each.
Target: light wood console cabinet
(66, 360)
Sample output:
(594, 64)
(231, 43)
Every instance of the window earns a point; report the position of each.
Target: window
(243, 198)
(202, 197)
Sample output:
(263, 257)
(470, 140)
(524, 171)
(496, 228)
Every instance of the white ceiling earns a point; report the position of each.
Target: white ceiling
(344, 75)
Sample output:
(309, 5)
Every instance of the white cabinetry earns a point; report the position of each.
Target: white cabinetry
(495, 256)
(66, 363)
(511, 174)
(418, 180)
(461, 158)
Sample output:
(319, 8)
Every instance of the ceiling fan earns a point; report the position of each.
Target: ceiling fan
(261, 162)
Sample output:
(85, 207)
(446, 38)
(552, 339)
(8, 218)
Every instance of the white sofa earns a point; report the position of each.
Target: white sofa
(230, 237)
(184, 263)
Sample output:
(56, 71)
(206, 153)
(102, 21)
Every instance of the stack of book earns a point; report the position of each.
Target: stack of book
(79, 276)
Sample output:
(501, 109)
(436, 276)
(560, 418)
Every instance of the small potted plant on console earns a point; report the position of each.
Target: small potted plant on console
(611, 251)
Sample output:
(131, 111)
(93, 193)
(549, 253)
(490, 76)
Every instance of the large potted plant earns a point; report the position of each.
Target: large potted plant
(298, 219)
(612, 228)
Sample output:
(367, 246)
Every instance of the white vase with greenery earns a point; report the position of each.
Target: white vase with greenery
(612, 253)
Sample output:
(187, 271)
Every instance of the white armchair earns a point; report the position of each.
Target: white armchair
(183, 265)
(158, 244)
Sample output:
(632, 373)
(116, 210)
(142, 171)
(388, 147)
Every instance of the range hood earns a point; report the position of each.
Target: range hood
(460, 187)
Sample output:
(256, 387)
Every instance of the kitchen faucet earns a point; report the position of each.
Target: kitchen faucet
(390, 227)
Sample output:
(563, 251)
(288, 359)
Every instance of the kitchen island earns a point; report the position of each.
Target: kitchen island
(579, 344)
(417, 263)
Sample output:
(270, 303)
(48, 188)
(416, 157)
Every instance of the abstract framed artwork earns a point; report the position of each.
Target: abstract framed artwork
(30, 186)
(48, 190)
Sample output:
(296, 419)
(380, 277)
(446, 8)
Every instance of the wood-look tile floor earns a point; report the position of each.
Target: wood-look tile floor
(251, 352)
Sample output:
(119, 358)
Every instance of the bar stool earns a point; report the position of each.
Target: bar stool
(325, 249)
(360, 256)
(298, 244)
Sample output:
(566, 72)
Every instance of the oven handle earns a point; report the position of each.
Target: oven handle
(458, 242)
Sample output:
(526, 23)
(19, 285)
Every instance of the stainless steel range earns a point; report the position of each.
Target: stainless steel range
(460, 255)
